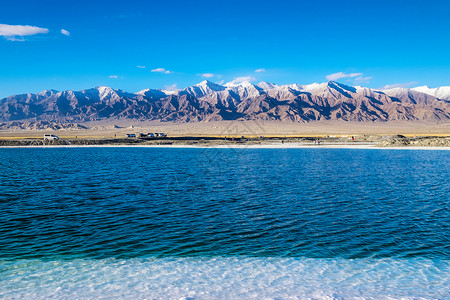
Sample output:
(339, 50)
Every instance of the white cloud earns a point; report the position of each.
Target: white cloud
(11, 32)
(161, 70)
(210, 75)
(113, 76)
(339, 75)
(242, 79)
(207, 75)
(140, 67)
(20, 30)
(399, 85)
(172, 87)
(260, 70)
(65, 32)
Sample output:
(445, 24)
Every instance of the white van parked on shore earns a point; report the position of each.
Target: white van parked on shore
(50, 137)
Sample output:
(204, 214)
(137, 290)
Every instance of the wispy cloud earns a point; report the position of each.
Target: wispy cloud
(140, 67)
(260, 70)
(16, 32)
(339, 75)
(172, 87)
(161, 70)
(210, 75)
(15, 38)
(362, 79)
(399, 85)
(355, 78)
(241, 79)
(65, 32)
(113, 76)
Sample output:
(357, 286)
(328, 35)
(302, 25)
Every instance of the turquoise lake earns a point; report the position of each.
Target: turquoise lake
(207, 223)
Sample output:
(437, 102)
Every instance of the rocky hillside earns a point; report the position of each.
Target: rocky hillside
(208, 101)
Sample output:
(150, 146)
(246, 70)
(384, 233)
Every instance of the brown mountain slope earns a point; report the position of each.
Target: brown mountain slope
(208, 101)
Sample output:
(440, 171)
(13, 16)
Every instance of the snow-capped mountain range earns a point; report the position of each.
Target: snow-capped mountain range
(208, 101)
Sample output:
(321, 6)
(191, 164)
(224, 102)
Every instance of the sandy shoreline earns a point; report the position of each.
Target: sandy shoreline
(249, 146)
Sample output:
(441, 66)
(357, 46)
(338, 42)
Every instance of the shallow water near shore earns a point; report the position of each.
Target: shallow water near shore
(224, 223)
(226, 278)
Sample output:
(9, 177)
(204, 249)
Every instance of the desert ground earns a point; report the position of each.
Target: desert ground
(119, 128)
(250, 133)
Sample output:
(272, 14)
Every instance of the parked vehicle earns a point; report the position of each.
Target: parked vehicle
(50, 137)
(131, 135)
(151, 135)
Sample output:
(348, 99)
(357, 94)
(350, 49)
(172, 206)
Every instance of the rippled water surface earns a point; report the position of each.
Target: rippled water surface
(71, 211)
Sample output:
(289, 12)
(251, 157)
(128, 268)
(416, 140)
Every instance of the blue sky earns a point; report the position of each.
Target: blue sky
(133, 45)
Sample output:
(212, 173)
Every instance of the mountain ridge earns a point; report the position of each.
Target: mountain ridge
(209, 101)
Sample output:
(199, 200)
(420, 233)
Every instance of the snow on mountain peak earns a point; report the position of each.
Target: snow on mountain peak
(267, 85)
(204, 82)
(442, 92)
(423, 87)
(246, 89)
(246, 83)
(152, 93)
(396, 89)
(142, 92)
(211, 85)
(167, 92)
(235, 83)
(47, 92)
(103, 88)
(314, 86)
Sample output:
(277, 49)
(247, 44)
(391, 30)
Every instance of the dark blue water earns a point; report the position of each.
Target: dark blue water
(224, 223)
(139, 202)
